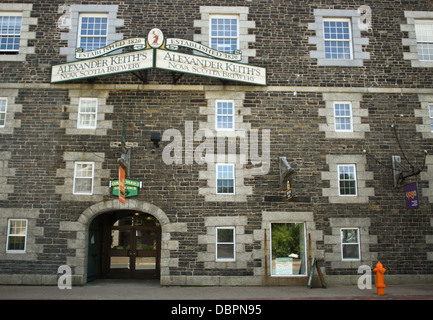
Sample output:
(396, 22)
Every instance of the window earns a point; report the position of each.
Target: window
(347, 180)
(224, 115)
(90, 25)
(225, 179)
(17, 234)
(338, 39)
(226, 28)
(224, 33)
(3, 108)
(343, 116)
(93, 31)
(350, 245)
(225, 244)
(10, 31)
(424, 38)
(288, 249)
(87, 113)
(83, 178)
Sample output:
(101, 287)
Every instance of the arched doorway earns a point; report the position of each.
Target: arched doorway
(124, 244)
(87, 262)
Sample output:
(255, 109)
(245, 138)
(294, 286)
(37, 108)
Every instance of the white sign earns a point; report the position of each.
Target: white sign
(131, 61)
(174, 44)
(79, 54)
(283, 266)
(186, 63)
(155, 38)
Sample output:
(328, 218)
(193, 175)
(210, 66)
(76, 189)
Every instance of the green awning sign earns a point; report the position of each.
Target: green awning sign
(131, 187)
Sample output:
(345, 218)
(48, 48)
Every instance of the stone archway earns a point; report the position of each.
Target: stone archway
(81, 227)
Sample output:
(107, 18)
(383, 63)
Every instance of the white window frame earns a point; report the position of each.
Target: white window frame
(217, 243)
(218, 16)
(13, 14)
(354, 180)
(343, 117)
(232, 115)
(304, 241)
(4, 113)
(9, 235)
(77, 177)
(81, 113)
(418, 23)
(218, 166)
(358, 243)
(92, 15)
(350, 40)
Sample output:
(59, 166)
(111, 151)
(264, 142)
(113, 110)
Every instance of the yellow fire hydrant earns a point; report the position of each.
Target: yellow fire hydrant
(380, 284)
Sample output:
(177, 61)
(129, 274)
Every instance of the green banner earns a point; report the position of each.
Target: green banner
(131, 187)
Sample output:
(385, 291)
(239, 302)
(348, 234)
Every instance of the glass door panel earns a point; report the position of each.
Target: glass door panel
(145, 263)
(119, 263)
(120, 239)
(146, 245)
(133, 251)
(120, 253)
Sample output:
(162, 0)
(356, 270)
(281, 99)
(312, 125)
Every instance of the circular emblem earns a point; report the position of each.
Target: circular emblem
(155, 38)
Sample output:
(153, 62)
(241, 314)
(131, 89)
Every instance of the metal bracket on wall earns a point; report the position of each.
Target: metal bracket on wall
(400, 172)
(142, 75)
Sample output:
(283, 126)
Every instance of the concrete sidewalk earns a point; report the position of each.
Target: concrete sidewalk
(151, 290)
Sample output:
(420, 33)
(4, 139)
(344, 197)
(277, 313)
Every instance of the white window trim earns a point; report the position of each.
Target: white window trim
(218, 165)
(339, 40)
(411, 41)
(233, 243)
(421, 22)
(73, 13)
(350, 243)
(357, 40)
(13, 14)
(75, 178)
(79, 126)
(358, 127)
(219, 16)
(335, 116)
(5, 112)
(96, 15)
(305, 249)
(356, 181)
(232, 115)
(245, 37)
(25, 35)
(362, 176)
(20, 235)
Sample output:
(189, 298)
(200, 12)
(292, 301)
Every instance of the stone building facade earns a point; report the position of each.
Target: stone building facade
(348, 85)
